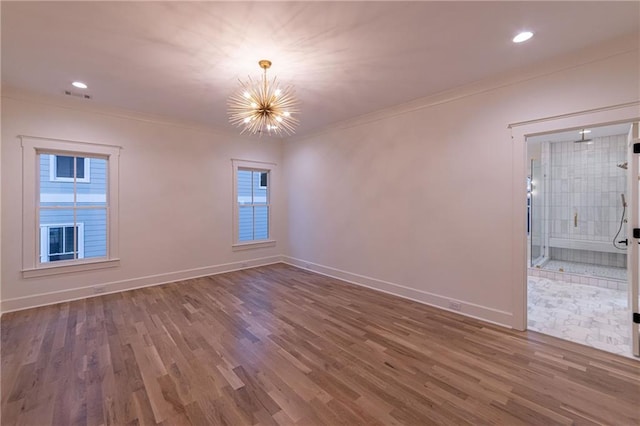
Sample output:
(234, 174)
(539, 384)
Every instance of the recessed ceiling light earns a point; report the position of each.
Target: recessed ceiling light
(79, 85)
(523, 36)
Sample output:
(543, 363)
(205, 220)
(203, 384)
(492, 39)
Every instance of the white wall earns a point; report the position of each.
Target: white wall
(175, 197)
(417, 200)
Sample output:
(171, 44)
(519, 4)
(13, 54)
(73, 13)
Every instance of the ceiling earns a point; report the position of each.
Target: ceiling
(183, 59)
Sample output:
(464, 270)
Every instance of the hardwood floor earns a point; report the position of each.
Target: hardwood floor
(279, 345)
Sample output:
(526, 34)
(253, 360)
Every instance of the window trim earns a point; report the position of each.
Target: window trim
(260, 167)
(31, 147)
(53, 170)
(44, 240)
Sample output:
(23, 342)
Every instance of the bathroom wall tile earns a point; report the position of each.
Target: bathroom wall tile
(585, 179)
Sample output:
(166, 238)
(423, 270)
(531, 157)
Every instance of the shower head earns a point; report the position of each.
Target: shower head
(623, 165)
(624, 202)
(582, 139)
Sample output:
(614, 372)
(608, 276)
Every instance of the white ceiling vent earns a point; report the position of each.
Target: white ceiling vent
(77, 95)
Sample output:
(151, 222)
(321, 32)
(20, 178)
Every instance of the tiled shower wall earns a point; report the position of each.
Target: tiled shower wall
(585, 181)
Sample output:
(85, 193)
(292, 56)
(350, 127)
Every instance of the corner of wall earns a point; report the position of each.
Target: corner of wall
(461, 307)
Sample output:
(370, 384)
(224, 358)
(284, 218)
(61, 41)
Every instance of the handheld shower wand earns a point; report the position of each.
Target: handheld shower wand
(622, 221)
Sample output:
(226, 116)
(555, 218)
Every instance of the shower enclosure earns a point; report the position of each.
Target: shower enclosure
(577, 206)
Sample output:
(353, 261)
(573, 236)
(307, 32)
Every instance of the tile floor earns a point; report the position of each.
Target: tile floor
(590, 315)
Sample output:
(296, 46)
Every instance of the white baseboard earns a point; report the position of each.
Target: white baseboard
(468, 309)
(472, 310)
(43, 299)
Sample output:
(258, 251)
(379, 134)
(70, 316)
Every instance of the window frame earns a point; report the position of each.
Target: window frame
(53, 170)
(257, 166)
(32, 146)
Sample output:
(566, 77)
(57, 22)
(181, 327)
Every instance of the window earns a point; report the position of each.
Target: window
(61, 242)
(74, 201)
(252, 204)
(70, 195)
(61, 168)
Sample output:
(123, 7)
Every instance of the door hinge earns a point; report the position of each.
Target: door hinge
(636, 148)
(636, 317)
(636, 232)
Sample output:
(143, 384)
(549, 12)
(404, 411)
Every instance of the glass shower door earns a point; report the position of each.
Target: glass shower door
(536, 208)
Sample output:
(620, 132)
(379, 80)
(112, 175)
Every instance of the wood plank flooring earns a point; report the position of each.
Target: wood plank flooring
(279, 345)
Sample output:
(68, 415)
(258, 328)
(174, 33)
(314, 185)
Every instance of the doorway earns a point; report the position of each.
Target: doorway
(571, 122)
(577, 257)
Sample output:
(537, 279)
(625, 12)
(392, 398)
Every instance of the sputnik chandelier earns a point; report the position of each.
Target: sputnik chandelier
(261, 106)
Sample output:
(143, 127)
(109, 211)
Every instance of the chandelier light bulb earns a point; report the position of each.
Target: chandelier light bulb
(261, 106)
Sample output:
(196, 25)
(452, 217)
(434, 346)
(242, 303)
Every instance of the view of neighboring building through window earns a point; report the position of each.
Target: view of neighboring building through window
(72, 207)
(62, 242)
(61, 168)
(253, 204)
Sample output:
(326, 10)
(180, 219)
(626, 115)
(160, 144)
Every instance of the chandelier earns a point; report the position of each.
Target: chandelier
(261, 106)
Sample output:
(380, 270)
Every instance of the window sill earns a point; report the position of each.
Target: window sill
(253, 245)
(44, 271)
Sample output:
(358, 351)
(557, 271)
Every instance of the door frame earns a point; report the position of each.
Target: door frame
(633, 223)
(613, 114)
